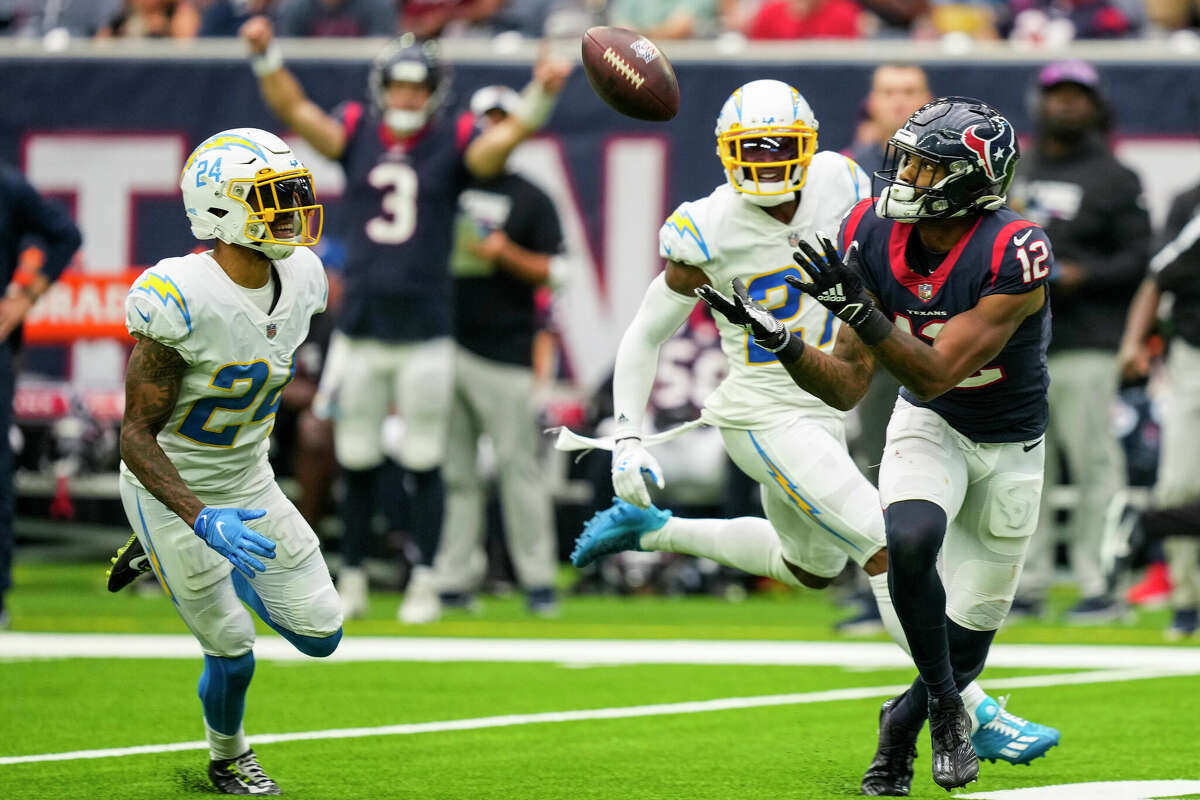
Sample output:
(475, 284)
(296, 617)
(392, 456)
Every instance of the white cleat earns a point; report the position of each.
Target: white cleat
(421, 602)
(352, 590)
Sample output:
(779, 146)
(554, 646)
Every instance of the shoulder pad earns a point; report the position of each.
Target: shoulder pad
(157, 308)
(1021, 258)
(688, 234)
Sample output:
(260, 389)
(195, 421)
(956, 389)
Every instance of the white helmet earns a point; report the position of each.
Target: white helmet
(771, 118)
(236, 183)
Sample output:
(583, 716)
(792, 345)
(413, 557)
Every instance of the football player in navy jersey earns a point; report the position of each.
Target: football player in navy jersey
(406, 161)
(946, 287)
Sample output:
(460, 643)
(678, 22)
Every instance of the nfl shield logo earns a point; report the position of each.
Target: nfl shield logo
(271, 330)
(925, 291)
(794, 239)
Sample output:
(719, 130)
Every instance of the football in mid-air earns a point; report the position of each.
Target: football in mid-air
(630, 73)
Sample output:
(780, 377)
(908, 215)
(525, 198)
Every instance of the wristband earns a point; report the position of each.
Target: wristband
(791, 351)
(536, 106)
(267, 62)
(874, 329)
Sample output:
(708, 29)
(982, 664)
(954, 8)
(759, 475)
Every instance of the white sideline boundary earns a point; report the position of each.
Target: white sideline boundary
(589, 652)
(661, 709)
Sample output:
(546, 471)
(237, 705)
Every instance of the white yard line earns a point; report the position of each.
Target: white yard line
(509, 720)
(587, 652)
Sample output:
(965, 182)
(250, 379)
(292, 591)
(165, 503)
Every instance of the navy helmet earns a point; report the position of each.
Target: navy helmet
(954, 156)
(413, 60)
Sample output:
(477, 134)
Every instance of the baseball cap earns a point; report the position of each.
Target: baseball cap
(490, 98)
(1078, 72)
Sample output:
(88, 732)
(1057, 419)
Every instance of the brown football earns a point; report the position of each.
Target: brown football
(630, 73)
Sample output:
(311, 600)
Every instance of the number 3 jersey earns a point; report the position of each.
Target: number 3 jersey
(727, 238)
(1003, 253)
(396, 222)
(238, 357)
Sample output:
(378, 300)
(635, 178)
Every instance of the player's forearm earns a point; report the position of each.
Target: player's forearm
(283, 94)
(531, 267)
(149, 464)
(488, 153)
(1143, 312)
(833, 381)
(915, 364)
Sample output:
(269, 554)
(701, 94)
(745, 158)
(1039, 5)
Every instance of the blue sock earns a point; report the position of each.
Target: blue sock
(319, 646)
(222, 691)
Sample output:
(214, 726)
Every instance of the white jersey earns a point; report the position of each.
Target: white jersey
(238, 357)
(727, 238)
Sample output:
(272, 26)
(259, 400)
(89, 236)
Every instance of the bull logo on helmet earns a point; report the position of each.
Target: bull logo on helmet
(997, 146)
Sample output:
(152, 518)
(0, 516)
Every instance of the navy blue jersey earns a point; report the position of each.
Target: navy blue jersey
(1005, 401)
(397, 224)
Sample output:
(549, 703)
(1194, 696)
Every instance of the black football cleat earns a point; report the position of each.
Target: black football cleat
(955, 763)
(241, 775)
(891, 771)
(129, 564)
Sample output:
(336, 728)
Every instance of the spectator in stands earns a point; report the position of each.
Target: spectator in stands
(978, 19)
(429, 18)
(1175, 270)
(806, 19)
(175, 19)
(83, 18)
(667, 19)
(899, 18)
(1173, 15)
(226, 17)
(1082, 19)
(1091, 208)
(23, 213)
(508, 240)
(337, 18)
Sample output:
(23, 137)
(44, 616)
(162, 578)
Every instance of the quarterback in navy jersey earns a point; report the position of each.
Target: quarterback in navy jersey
(944, 285)
(406, 161)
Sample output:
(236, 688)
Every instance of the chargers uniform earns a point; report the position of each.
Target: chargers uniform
(784, 438)
(974, 451)
(239, 359)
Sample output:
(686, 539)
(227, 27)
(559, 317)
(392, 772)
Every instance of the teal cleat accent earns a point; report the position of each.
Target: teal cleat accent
(1007, 737)
(616, 529)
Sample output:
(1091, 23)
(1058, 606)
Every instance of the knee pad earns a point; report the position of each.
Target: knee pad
(915, 529)
(980, 593)
(233, 637)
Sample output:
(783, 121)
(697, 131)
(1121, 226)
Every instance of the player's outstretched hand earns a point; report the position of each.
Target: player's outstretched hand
(767, 331)
(257, 33)
(630, 462)
(224, 530)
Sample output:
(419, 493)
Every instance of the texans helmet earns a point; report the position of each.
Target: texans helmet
(412, 60)
(966, 151)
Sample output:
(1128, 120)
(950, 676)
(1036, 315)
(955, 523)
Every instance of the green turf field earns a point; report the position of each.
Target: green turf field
(1113, 730)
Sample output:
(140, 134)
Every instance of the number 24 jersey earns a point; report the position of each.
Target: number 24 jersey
(239, 359)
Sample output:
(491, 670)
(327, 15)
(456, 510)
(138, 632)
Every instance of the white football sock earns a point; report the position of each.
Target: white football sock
(222, 746)
(887, 611)
(746, 543)
(972, 696)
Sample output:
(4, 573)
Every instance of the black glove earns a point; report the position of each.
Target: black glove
(838, 287)
(768, 331)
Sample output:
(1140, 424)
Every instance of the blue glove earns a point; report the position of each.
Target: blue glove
(223, 530)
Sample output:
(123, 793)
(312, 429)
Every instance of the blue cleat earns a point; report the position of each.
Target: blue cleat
(616, 529)
(1007, 737)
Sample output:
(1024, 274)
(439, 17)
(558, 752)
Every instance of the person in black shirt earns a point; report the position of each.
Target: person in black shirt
(1175, 270)
(507, 242)
(1091, 208)
(23, 213)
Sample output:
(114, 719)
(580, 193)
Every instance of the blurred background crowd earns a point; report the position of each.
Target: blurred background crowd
(1025, 21)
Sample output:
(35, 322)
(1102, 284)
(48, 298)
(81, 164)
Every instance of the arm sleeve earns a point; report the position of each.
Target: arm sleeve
(157, 309)
(1129, 226)
(1022, 260)
(660, 315)
(1176, 267)
(49, 223)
